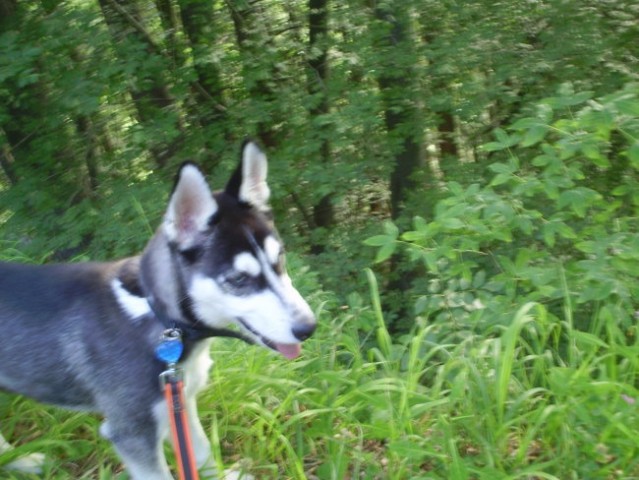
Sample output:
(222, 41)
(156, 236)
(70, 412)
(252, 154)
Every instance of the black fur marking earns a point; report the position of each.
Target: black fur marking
(130, 279)
(233, 185)
(264, 340)
(214, 220)
(192, 254)
(235, 182)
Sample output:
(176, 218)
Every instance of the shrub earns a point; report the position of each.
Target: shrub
(555, 224)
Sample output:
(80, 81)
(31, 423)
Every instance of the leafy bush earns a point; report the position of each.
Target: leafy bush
(556, 224)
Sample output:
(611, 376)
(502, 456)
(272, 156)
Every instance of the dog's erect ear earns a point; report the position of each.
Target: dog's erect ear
(190, 208)
(248, 183)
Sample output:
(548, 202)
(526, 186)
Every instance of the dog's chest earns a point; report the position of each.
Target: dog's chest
(196, 367)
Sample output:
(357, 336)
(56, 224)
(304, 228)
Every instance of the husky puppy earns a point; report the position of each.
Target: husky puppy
(83, 336)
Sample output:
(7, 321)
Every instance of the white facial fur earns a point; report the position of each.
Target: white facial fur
(247, 263)
(263, 311)
(272, 249)
(271, 314)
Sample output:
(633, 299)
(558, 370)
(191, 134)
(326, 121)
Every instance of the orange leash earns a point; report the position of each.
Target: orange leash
(169, 351)
(174, 394)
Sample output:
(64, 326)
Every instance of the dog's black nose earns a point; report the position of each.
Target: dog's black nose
(304, 330)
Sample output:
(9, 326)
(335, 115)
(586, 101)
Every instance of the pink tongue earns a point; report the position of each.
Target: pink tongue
(289, 351)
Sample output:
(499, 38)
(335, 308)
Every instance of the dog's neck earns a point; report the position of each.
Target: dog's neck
(192, 329)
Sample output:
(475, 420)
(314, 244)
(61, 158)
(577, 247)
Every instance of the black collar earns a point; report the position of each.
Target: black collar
(193, 329)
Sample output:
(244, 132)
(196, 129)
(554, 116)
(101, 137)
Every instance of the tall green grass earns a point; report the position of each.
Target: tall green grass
(501, 405)
(533, 400)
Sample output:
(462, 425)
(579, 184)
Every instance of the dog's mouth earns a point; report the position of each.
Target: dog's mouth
(289, 350)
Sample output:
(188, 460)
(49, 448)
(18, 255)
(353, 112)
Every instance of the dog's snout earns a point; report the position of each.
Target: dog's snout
(304, 330)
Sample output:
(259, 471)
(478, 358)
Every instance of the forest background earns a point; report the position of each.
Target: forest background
(456, 182)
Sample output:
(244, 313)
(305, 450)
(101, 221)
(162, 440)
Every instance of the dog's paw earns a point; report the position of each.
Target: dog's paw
(208, 472)
(236, 475)
(237, 471)
(32, 463)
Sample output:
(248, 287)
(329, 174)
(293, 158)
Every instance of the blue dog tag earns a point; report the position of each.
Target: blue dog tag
(170, 348)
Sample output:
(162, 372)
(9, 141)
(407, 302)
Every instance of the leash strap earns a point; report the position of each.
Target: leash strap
(174, 394)
(169, 351)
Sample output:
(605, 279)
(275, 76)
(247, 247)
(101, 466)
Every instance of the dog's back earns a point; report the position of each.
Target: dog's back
(62, 331)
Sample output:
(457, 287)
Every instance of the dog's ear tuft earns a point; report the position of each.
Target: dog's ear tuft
(190, 208)
(248, 183)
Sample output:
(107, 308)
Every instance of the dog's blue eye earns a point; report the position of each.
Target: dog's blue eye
(238, 280)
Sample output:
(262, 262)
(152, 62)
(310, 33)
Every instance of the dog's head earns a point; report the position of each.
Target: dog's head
(230, 259)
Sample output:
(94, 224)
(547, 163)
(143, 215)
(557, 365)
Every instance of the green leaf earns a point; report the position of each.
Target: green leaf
(588, 339)
(525, 123)
(502, 168)
(621, 190)
(455, 188)
(492, 147)
(629, 106)
(591, 151)
(501, 135)
(500, 179)
(413, 236)
(419, 223)
(633, 154)
(391, 229)
(430, 258)
(385, 252)
(392, 232)
(504, 141)
(597, 291)
(568, 99)
(534, 135)
(452, 223)
(579, 199)
(542, 160)
(421, 304)
(549, 235)
(377, 240)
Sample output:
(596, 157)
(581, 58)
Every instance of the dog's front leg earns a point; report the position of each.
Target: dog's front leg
(140, 446)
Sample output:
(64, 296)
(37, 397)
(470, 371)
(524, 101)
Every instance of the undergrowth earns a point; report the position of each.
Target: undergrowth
(521, 357)
(495, 406)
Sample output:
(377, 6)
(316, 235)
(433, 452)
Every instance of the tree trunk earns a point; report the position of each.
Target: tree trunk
(149, 90)
(253, 40)
(171, 26)
(7, 10)
(400, 115)
(6, 159)
(87, 131)
(448, 152)
(395, 79)
(199, 26)
(317, 79)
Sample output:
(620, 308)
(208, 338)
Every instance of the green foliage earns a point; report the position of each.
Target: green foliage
(519, 271)
(88, 97)
(555, 224)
